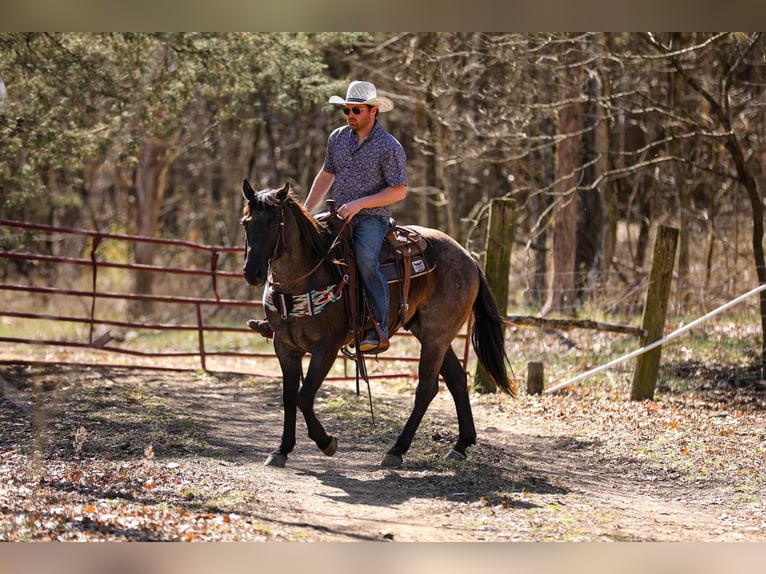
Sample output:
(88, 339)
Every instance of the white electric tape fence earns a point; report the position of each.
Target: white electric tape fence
(658, 342)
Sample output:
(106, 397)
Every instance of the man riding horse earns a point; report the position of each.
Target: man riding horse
(366, 168)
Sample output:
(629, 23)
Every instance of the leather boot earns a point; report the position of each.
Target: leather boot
(262, 327)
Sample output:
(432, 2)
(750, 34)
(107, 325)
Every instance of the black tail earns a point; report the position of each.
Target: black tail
(487, 336)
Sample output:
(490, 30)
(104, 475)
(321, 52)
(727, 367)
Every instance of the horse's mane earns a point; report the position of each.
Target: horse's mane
(316, 234)
(313, 233)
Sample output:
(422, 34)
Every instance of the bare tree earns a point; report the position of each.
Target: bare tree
(727, 123)
(561, 294)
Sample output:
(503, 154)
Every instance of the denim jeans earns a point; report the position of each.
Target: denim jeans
(368, 232)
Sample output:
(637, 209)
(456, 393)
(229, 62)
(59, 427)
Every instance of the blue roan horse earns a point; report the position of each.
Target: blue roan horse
(287, 249)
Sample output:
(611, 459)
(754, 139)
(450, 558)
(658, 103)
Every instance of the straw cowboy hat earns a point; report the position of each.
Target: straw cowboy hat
(363, 93)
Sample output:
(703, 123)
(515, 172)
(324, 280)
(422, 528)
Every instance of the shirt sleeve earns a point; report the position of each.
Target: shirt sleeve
(395, 165)
(329, 157)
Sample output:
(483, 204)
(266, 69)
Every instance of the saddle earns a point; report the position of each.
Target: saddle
(404, 255)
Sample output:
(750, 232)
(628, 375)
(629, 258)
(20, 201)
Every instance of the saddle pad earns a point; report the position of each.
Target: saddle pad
(419, 265)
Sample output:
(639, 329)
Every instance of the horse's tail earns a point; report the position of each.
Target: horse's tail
(487, 336)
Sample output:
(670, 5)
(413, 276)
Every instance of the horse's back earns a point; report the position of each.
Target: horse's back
(450, 255)
(456, 279)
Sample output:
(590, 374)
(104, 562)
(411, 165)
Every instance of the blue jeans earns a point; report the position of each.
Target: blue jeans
(368, 233)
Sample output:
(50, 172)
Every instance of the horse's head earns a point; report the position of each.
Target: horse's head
(262, 219)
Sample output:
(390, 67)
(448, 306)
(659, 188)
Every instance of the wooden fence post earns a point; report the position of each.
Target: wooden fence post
(497, 266)
(535, 378)
(655, 309)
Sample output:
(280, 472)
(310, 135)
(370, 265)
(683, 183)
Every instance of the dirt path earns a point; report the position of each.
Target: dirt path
(141, 455)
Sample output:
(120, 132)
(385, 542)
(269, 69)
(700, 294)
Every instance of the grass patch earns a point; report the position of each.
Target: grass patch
(723, 353)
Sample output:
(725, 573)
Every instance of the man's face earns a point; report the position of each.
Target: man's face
(359, 117)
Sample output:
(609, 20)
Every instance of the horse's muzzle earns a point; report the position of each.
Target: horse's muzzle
(254, 276)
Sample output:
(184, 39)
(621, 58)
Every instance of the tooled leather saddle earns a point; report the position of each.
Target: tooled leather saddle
(404, 255)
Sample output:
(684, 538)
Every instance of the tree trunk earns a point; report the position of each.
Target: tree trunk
(751, 187)
(562, 285)
(540, 203)
(590, 211)
(151, 174)
(645, 202)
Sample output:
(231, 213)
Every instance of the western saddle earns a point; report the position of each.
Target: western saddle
(404, 255)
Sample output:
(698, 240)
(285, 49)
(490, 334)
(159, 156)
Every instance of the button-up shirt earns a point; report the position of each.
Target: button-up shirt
(362, 169)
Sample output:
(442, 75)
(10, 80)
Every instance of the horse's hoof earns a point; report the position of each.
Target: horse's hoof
(331, 448)
(455, 455)
(391, 461)
(276, 460)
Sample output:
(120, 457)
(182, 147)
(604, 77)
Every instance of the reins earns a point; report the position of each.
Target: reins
(296, 280)
(324, 258)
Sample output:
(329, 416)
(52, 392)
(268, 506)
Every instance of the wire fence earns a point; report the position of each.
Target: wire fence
(66, 295)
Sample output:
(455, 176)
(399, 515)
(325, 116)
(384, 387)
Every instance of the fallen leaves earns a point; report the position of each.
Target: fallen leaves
(102, 500)
(569, 466)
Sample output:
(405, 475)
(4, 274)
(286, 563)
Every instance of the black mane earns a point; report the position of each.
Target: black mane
(315, 233)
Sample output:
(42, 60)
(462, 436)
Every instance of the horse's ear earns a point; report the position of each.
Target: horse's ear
(282, 193)
(247, 190)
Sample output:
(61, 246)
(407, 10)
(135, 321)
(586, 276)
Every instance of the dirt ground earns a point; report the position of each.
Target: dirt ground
(93, 453)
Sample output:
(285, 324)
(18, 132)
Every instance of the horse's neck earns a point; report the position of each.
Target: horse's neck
(298, 268)
(292, 269)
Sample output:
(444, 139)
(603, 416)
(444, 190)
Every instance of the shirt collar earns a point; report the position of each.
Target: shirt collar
(373, 133)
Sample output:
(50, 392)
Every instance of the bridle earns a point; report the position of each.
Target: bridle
(280, 246)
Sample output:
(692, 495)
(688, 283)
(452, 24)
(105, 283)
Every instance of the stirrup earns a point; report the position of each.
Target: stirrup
(382, 345)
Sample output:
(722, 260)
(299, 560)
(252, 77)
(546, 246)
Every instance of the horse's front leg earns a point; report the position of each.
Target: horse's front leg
(291, 373)
(320, 365)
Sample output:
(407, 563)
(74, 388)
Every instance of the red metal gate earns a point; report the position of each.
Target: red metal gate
(209, 270)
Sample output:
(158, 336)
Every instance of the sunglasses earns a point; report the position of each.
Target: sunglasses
(356, 110)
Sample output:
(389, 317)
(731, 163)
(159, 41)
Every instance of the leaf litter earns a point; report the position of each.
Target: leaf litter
(114, 454)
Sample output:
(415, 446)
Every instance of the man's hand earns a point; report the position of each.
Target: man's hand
(347, 211)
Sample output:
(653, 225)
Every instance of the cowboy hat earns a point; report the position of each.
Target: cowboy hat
(363, 93)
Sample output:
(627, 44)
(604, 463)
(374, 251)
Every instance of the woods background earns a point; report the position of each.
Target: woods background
(597, 137)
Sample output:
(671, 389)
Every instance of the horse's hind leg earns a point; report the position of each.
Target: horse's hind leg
(428, 386)
(457, 383)
(423, 396)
